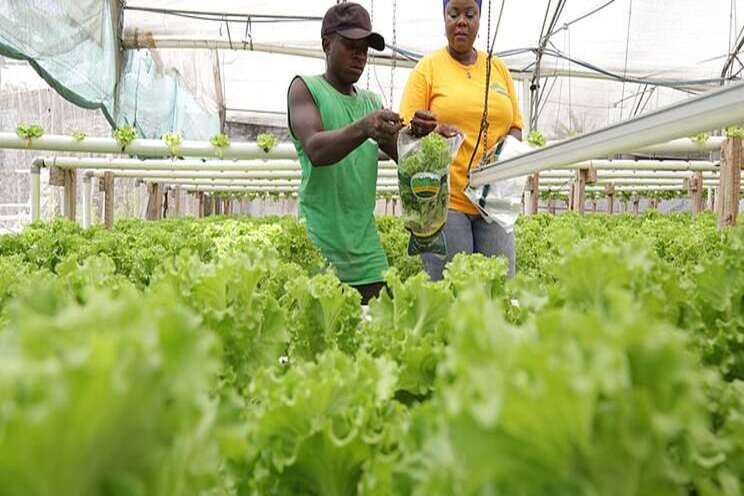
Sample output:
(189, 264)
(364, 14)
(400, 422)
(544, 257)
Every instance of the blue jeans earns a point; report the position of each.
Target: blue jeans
(471, 234)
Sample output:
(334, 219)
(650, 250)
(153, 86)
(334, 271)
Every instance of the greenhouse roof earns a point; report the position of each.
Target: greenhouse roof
(664, 51)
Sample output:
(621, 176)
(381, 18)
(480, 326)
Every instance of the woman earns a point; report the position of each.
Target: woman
(448, 86)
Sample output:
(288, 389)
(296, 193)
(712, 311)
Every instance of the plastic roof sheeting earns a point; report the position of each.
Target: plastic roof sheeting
(684, 39)
(188, 90)
(72, 45)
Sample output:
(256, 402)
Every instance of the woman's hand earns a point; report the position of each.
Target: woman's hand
(447, 131)
(423, 123)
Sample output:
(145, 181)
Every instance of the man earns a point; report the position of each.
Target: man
(338, 130)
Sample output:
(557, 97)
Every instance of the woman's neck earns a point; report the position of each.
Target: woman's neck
(464, 58)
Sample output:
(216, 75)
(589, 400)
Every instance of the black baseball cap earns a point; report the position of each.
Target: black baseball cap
(351, 21)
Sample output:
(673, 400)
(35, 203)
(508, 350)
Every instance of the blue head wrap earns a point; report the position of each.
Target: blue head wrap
(479, 2)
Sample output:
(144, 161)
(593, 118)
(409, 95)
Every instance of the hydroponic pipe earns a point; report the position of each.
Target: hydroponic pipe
(629, 174)
(104, 163)
(268, 175)
(146, 147)
(714, 110)
(264, 189)
(238, 182)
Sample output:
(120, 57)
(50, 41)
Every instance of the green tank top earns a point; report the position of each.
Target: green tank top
(338, 201)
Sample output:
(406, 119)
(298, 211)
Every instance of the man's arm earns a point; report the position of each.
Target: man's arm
(516, 132)
(329, 147)
(390, 146)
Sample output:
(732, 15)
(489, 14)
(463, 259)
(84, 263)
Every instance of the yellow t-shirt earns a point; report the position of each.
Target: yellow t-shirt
(456, 93)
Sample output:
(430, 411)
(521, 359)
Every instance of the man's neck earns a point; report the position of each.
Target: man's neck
(343, 88)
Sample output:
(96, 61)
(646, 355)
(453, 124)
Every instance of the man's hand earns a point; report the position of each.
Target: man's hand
(381, 125)
(423, 123)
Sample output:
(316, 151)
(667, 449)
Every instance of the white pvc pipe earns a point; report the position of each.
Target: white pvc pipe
(268, 175)
(87, 200)
(674, 147)
(114, 164)
(627, 174)
(238, 182)
(713, 110)
(646, 165)
(684, 145)
(629, 189)
(145, 147)
(263, 189)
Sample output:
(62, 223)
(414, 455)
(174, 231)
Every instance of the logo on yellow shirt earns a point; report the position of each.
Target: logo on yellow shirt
(497, 88)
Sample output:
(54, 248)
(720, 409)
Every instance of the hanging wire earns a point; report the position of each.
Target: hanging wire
(483, 132)
(570, 80)
(627, 49)
(371, 57)
(535, 87)
(395, 53)
(582, 17)
(221, 16)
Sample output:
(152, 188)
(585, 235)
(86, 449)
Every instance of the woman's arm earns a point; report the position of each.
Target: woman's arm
(517, 121)
(414, 106)
(516, 132)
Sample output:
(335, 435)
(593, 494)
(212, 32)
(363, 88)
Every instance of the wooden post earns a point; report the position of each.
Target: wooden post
(730, 186)
(594, 205)
(108, 199)
(551, 206)
(154, 202)
(711, 199)
(177, 200)
(532, 194)
(577, 200)
(70, 194)
(200, 203)
(610, 193)
(695, 187)
(210, 204)
(636, 203)
(395, 203)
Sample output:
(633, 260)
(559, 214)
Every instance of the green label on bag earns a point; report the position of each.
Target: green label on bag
(426, 185)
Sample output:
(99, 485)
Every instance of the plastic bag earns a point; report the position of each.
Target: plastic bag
(500, 201)
(423, 181)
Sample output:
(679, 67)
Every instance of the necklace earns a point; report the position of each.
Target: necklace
(468, 69)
